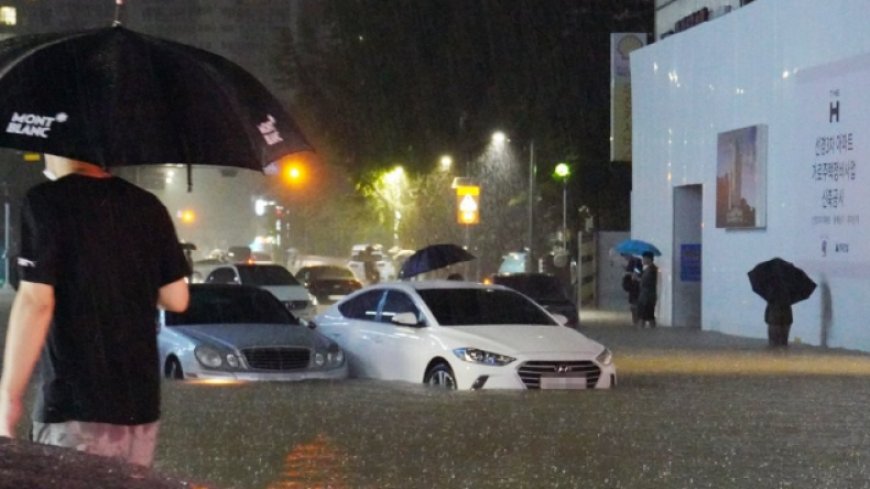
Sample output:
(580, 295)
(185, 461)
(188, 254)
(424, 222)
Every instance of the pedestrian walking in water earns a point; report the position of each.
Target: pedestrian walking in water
(98, 255)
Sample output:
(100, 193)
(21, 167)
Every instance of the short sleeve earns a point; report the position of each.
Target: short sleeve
(38, 254)
(173, 263)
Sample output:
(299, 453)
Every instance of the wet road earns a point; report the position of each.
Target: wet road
(693, 409)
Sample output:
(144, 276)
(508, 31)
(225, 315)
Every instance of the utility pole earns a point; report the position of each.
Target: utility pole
(530, 257)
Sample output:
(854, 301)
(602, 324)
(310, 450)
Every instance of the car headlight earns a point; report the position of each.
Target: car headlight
(232, 360)
(319, 359)
(605, 357)
(312, 299)
(208, 356)
(484, 357)
(334, 358)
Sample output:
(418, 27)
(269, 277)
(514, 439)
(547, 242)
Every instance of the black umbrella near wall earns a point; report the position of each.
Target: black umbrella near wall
(780, 281)
(116, 97)
(781, 284)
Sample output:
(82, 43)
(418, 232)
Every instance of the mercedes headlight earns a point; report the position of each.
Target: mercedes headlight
(232, 360)
(335, 358)
(208, 356)
(484, 357)
(319, 359)
(605, 357)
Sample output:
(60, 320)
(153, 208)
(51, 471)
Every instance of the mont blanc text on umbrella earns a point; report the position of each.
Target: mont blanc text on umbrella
(113, 96)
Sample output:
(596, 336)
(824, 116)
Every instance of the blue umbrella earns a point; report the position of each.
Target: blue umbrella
(636, 247)
(433, 257)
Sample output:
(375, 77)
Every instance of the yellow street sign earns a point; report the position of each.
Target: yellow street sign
(468, 204)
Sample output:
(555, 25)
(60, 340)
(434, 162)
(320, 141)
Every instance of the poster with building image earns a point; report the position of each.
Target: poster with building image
(741, 178)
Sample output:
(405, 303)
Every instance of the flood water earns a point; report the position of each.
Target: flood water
(664, 426)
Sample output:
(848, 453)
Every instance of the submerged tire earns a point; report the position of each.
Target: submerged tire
(173, 370)
(441, 376)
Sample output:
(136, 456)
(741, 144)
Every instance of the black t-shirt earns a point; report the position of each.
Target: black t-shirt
(106, 246)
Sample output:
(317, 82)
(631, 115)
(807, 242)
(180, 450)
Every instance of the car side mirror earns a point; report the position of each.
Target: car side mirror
(406, 319)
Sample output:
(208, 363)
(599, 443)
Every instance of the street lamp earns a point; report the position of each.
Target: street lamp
(394, 182)
(446, 163)
(499, 139)
(563, 171)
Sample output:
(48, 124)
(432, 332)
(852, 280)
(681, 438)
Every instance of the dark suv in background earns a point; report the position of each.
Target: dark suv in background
(544, 289)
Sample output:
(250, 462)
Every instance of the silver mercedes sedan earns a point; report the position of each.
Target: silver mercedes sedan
(243, 333)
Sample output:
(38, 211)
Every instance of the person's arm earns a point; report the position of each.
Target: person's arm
(29, 321)
(174, 296)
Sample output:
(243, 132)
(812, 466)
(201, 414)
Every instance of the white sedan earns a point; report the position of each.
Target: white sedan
(462, 335)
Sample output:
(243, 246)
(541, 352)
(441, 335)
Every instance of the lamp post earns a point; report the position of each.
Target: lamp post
(531, 225)
(563, 171)
(499, 139)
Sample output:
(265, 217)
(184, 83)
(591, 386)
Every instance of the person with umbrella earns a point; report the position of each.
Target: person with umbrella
(631, 285)
(98, 255)
(647, 295)
(781, 284)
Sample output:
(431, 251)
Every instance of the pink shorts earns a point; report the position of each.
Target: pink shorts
(135, 443)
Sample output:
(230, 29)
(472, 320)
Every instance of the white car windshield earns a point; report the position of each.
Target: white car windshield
(231, 305)
(474, 306)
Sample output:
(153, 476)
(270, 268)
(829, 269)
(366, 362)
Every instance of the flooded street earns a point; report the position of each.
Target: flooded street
(693, 409)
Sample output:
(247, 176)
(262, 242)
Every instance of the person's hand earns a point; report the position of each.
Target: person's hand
(10, 413)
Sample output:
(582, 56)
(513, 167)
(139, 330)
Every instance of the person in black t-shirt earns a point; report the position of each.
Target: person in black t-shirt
(98, 255)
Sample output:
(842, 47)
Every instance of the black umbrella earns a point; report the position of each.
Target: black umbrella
(779, 281)
(114, 97)
(433, 257)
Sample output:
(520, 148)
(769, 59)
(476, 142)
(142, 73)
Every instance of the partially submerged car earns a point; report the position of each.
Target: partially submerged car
(463, 335)
(238, 332)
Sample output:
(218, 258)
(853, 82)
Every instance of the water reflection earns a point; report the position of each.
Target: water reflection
(313, 465)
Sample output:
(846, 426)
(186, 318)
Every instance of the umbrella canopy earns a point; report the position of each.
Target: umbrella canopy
(433, 257)
(779, 281)
(114, 97)
(636, 247)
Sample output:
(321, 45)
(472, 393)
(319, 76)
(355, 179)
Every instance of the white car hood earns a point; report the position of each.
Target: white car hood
(525, 339)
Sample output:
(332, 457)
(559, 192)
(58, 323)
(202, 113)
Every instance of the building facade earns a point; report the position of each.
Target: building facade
(749, 143)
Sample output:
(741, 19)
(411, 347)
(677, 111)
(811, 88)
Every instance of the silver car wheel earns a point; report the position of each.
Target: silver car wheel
(441, 376)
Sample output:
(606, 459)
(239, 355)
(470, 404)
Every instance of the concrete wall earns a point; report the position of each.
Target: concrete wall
(610, 270)
(783, 65)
